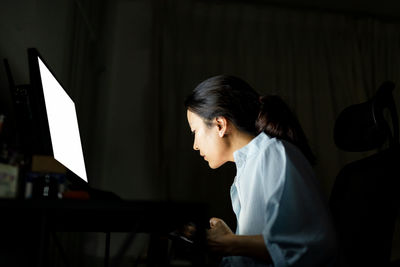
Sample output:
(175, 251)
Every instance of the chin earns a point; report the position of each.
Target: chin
(215, 165)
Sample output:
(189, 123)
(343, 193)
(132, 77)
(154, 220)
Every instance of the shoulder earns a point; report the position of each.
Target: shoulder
(270, 160)
(269, 154)
(279, 158)
(280, 152)
(269, 165)
(271, 149)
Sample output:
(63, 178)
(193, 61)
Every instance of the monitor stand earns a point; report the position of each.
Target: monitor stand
(76, 183)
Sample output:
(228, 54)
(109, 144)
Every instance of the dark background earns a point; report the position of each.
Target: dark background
(129, 64)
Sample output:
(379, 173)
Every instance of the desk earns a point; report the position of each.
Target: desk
(46, 216)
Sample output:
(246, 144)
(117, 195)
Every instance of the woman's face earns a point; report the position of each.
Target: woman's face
(208, 140)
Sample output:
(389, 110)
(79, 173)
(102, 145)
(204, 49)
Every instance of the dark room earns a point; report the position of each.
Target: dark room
(199, 133)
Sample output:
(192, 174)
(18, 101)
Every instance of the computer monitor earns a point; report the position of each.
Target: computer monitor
(54, 115)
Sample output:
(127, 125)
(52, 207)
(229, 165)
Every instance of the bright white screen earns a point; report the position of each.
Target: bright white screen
(63, 123)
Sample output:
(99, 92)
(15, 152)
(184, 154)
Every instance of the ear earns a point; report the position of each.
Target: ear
(222, 126)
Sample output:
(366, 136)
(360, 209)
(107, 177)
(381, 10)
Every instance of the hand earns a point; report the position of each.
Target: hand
(220, 236)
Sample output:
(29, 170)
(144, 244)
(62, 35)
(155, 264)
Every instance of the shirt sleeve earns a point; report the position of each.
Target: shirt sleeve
(298, 230)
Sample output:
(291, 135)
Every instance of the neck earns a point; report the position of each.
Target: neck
(239, 140)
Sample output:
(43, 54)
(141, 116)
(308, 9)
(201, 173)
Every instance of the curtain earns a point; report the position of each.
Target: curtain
(85, 25)
(319, 62)
(85, 69)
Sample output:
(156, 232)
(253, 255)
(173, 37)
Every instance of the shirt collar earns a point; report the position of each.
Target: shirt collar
(252, 147)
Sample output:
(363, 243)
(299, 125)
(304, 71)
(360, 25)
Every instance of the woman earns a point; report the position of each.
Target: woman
(282, 218)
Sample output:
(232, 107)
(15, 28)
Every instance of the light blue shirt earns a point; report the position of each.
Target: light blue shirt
(276, 194)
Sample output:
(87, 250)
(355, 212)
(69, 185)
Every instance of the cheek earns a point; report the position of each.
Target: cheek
(203, 140)
(215, 152)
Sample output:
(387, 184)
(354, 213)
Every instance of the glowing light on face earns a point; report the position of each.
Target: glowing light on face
(207, 141)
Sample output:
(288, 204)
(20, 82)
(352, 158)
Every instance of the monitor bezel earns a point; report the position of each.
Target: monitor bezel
(42, 137)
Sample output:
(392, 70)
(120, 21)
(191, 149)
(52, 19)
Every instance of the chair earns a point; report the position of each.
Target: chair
(365, 198)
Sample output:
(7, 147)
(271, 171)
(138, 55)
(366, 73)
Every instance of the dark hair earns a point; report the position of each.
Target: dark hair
(232, 98)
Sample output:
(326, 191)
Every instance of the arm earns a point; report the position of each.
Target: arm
(222, 240)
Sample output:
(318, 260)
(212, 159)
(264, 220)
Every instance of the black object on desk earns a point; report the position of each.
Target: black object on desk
(44, 217)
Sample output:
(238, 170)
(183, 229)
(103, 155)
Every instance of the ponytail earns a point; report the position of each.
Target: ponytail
(277, 120)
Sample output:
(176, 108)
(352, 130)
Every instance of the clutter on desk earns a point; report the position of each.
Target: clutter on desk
(8, 181)
(46, 178)
(9, 169)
